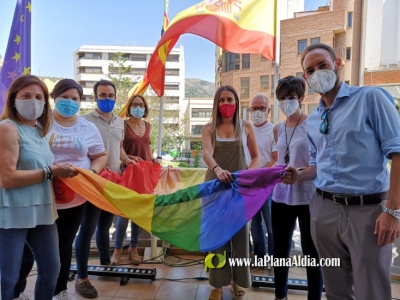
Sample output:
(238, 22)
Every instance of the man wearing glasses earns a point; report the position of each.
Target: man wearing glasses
(259, 111)
(355, 210)
(111, 128)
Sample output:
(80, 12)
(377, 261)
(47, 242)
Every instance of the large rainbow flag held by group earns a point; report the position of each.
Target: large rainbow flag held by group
(199, 217)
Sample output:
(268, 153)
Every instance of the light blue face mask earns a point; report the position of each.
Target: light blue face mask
(67, 107)
(137, 112)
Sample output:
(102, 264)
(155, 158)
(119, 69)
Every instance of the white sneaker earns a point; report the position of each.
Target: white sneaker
(22, 297)
(63, 295)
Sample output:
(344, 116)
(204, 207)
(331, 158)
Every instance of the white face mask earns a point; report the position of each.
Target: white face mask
(30, 109)
(322, 81)
(258, 117)
(289, 106)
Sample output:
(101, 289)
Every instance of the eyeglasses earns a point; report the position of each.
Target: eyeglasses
(104, 96)
(141, 105)
(289, 81)
(261, 108)
(324, 128)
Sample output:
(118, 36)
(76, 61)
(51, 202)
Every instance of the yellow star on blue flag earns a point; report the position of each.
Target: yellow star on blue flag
(17, 60)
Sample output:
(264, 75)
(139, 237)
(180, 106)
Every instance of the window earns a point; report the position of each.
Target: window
(301, 44)
(174, 87)
(245, 61)
(245, 115)
(197, 129)
(264, 82)
(89, 55)
(87, 84)
(201, 112)
(138, 57)
(349, 19)
(245, 87)
(173, 57)
(232, 61)
(90, 70)
(171, 72)
(315, 40)
(348, 53)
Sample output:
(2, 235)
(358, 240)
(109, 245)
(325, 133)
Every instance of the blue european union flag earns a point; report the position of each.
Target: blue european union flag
(17, 60)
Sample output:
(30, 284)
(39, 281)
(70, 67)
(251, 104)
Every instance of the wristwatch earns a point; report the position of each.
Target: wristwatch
(393, 212)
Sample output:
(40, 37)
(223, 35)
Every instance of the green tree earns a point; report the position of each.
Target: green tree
(172, 125)
(120, 73)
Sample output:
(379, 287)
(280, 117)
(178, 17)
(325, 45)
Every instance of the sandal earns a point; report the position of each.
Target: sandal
(238, 291)
(216, 294)
(116, 257)
(134, 256)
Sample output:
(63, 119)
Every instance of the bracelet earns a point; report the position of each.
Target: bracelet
(393, 212)
(214, 167)
(45, 173)
(94, 171)
(49, 173)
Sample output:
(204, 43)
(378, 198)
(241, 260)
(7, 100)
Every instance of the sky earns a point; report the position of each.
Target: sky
(61, 27)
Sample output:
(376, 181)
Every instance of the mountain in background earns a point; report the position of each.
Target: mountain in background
(198, 88)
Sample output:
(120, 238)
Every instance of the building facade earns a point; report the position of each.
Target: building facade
(95, 62)
(357, 30)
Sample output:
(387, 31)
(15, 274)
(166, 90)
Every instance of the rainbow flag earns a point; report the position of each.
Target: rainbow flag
(246, 26)
(202, 217)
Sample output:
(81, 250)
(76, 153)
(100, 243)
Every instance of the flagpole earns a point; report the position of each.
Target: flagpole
(159, 142)
(277, 60)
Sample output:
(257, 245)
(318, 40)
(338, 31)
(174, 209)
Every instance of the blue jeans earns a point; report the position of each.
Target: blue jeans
(26, 267)
(103, 236)
(43, 241)
(283, 222)
(121, 226)
(258, 231)
(84, 238)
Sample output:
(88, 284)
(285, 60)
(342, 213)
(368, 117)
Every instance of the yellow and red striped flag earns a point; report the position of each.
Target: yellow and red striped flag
(246, 26)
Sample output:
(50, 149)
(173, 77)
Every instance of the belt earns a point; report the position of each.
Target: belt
(352, 199)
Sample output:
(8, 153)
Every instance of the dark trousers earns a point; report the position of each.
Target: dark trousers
(283, 224)
(67, 224)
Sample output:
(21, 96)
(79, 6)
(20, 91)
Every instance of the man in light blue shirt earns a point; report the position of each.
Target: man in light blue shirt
(352, 134)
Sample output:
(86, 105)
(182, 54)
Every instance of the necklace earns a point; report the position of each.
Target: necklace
(287, 156)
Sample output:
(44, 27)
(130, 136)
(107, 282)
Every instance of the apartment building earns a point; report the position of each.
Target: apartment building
(196, 113)
(357, 30)
(94, 62)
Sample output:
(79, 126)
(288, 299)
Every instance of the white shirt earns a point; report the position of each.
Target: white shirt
(265, 144)
(74, 145)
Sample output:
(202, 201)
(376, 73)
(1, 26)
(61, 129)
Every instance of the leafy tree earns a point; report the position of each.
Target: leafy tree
(172, 130)
(120, 73)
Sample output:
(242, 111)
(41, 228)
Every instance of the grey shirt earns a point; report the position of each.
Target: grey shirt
(112, 133)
